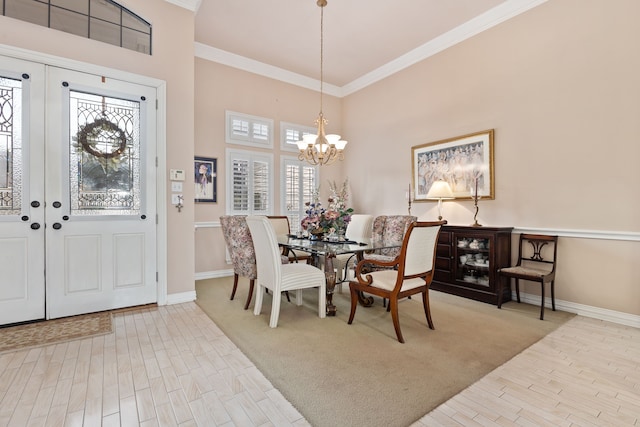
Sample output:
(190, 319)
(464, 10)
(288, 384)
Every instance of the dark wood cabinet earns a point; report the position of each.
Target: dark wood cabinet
(467, 261)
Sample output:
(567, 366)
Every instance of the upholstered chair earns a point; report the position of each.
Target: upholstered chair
(281, 225)
(241, 250)
(411, 272)
(390, 230)
(358, 230)
(279, 277)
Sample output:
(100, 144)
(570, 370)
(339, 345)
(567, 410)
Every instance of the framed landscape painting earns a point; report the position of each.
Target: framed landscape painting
(465, 162)
(205, 179)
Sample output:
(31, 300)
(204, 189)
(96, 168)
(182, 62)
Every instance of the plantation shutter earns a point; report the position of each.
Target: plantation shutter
(251, 188)
(300, 181)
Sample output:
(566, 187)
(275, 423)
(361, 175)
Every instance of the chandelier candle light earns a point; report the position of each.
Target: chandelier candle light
(321, 149)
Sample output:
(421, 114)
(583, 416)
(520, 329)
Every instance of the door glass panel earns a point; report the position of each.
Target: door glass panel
(10, 146)
(104, 155)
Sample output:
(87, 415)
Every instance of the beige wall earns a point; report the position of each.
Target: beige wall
(223, 88)
(172, 61)
(559, 84)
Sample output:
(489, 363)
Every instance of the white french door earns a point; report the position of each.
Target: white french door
(22, 246)
(90, 204)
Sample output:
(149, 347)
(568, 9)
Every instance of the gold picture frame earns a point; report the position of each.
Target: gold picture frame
(465, 162)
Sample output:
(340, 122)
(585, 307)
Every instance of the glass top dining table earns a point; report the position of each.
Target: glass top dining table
(325, 247)
(329, 250)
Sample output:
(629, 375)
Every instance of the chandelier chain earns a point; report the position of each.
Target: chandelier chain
(321, 54)
(321, 149)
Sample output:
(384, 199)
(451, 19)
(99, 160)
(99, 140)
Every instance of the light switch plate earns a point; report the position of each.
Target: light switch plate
(176, 175)
(175, 199)
(176, 186)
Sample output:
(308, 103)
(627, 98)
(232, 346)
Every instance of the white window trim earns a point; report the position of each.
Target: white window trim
(284, 161)
(251, 156)
(285, 126)
(253, 120)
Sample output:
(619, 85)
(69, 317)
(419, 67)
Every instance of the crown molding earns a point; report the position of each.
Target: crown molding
(192, 5)
(480, 23)
(236, 61)
(487, 20)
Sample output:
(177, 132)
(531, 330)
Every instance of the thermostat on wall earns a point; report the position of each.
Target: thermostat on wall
(176, 175)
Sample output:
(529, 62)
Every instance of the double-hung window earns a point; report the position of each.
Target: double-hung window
(249, 183)
(298, 182)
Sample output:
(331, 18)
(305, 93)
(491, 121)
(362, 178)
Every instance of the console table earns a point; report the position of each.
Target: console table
(467, 261)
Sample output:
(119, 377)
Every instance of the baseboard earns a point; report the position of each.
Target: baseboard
(181, 297)
(215, 274)
(583, 310)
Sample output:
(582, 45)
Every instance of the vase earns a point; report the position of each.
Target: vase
(316, 234)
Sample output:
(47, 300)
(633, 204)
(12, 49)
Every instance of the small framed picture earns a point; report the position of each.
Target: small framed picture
(205, 179)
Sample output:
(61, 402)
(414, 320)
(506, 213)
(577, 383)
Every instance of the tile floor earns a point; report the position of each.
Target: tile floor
(172, 366)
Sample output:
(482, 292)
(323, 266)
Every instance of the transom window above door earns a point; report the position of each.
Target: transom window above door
(101, 20)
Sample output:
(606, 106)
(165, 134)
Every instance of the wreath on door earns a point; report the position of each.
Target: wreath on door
(91, 132)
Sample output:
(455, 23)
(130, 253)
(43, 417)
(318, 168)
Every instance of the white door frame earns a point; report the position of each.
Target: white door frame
(161, 133)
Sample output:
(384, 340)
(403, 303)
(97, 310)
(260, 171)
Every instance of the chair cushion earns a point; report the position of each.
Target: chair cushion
(534, 273)
(386, 279)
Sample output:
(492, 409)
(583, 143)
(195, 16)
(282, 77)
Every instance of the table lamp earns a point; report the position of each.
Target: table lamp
(440, 190)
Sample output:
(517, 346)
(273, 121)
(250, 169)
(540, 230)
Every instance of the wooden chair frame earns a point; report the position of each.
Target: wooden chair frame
(527, 267)
(422, 255)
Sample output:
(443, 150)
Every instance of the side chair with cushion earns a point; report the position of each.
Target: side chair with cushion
(281, 225)
(243, 255)
(279, 277)
(358, 230)
(410, 273)
(389, 229)
(534, 266)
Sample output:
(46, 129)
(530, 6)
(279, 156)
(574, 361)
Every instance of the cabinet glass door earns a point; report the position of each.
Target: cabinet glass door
(473, 260)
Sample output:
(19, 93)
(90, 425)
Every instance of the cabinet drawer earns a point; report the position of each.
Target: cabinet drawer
(444, 237)
(443, 264)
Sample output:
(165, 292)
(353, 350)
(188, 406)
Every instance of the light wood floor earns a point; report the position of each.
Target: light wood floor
(172, 366)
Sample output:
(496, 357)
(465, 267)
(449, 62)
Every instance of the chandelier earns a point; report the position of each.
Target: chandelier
(321, 149)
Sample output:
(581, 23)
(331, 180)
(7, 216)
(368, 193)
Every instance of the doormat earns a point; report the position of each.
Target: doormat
(55, 331)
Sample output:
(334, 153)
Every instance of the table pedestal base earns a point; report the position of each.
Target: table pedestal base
(331, 285)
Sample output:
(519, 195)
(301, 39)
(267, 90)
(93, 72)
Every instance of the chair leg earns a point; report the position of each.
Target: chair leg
(287, 294)
(257, 307)
(322, 302)
(542, 302)
(354, 303)
(235, 286)
(553, 296)
(501, 289)
(518, 290)
(251, 283)
(275, 311)
(427, 308)
(393, 302)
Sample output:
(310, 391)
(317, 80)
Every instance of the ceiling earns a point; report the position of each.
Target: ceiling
(364, 40)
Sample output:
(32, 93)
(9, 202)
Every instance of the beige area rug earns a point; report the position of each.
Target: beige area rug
(55, 331)
(359, 374)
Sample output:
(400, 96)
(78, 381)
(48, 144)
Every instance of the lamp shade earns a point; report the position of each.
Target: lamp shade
(440, 190)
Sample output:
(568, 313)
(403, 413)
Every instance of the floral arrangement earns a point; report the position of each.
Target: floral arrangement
(334, 219)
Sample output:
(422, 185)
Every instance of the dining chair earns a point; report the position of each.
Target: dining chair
(390, 231)
(358, 230)
(281, 225)
(239, 243)
(533, 265)
(279, 277)
(408, 274)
